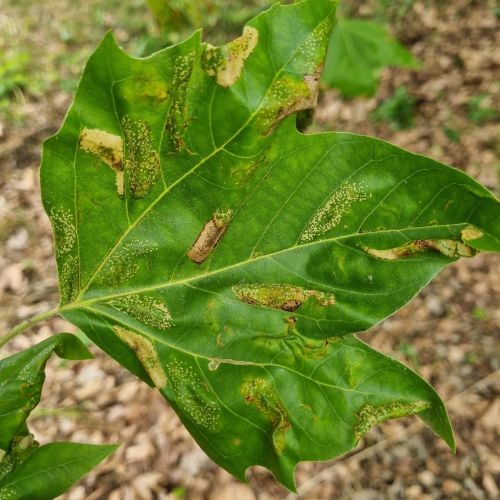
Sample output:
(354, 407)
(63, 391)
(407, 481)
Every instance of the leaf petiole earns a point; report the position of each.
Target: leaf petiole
(25, 325)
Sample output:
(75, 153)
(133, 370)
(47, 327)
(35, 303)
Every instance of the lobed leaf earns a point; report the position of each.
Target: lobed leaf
(228, 260)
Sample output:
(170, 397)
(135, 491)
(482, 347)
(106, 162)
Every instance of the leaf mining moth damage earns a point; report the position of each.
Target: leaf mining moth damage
(210, 236)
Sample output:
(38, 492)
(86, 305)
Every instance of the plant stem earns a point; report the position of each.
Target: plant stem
(25, 325)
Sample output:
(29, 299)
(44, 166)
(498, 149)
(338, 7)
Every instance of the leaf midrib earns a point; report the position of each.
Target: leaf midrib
(105, 298)
(195, 167)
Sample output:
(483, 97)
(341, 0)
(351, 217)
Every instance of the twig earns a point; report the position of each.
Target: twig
(28, 324)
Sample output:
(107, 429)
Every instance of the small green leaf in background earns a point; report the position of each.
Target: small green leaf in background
(26, 470)
(359, 51)
(397, 110)
(481, 109)
(229, 260)
(51, 469)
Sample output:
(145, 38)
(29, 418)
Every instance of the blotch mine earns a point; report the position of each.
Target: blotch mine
(123, 265)
(261, 393)
(226, 62)
(448, 248)
(471, 233)
(313, 51)
(142, 163)
(286, 96)
(108, 148)
(65, 236)
(148, 310)
(338, 205)
(146, 353)
(69, 279)
(176, 119)
(210, 236)
(192, 395)
(369, 416)
(278, 296)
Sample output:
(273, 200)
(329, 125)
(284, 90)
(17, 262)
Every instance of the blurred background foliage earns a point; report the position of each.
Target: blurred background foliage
(31, 66)
(41, 57)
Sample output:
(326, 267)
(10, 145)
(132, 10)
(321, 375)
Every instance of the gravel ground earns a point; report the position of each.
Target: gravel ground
(449, 333)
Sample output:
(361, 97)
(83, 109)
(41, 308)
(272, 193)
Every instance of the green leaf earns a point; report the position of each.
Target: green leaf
(398, 109)
(228, 260)
(359, 51)
(21, 380)
(51, 469)
(26, 471)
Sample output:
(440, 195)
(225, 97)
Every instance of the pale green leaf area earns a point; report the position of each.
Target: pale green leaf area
(51, 469)
(359, 51)
(228, 260)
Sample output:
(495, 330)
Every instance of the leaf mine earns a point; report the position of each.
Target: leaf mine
(148, 310)
(284, 297)
(69, 279)
(313, 50)
(210, 236)
(65, 235)
(338, 205)
(226, 62)
(448, 248)
(192, 395)
(213, 365)
(142, 163)
(471, 233)
(146, 353)
(176, 120)
(123, 265)
(302, 348)
(261, 393)
(289, 95)
(369, 416)
(108, 148)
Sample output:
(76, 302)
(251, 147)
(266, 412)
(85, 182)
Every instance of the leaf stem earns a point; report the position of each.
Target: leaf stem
(25, 325)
